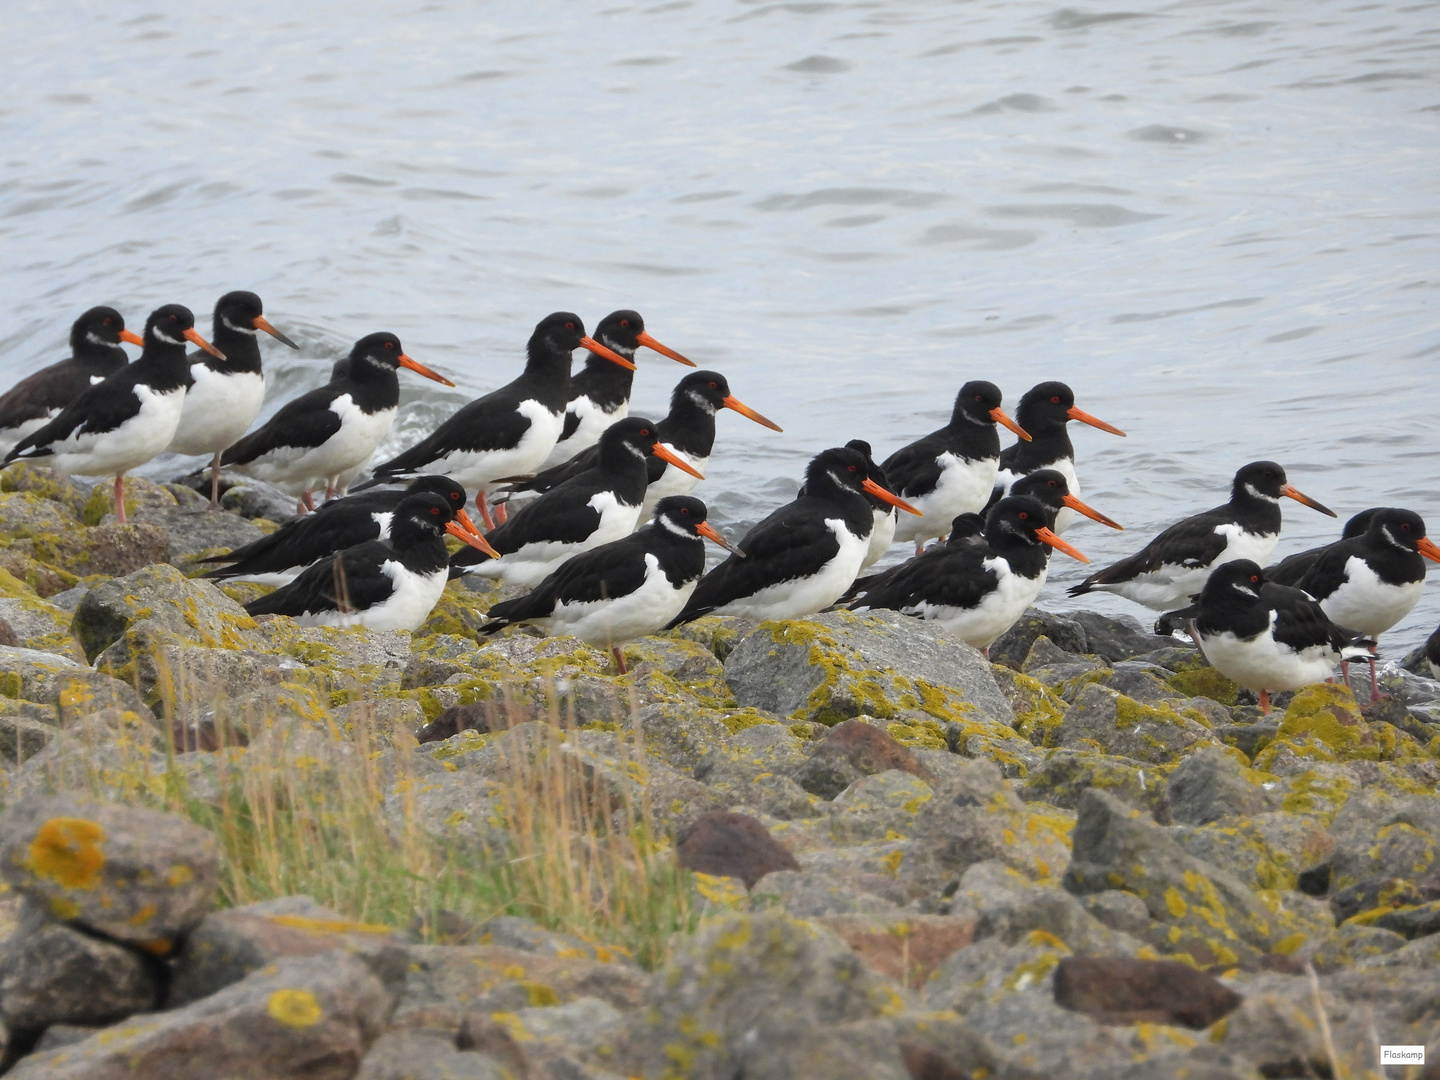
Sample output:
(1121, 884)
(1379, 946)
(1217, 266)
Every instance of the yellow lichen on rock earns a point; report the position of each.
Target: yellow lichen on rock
(68, 851)
(294, 1008)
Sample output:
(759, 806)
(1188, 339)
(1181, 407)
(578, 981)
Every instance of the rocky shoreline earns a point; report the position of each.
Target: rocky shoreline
(841, 846)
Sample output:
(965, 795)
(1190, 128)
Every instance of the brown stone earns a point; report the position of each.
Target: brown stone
(7, 635)
(869, 749)
(484, 1034)
(112, 550)
(908, 952)
(926, 1063)
(732, 845)
(1120, 990)
(474, 716)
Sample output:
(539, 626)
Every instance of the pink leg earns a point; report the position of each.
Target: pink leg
(1375, 694)
(307, 500)
(484, 509)
(619, 660)
(919, 547)
(502, 513)
(120, 499)
(1264, 702)
(330, 491)
(1345, 672)
(215, 482)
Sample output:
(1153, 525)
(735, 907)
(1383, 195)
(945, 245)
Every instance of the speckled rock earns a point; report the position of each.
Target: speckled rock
(104, 549)
(679, 734)
(1114, 637)
(427, 1055)
(134, 875)
(1058, 668)
(1065, 775)
(1377, 835)
(732, 845)
(195, 612)
(196, 530)
(33, 623)
(837, 665)
(24, 513)
(46, 482)
(1126, 990)
(51, 679)
(1011, 647)
(882, 804)
(1104, 720)
(312, 1018)
(1211, 785)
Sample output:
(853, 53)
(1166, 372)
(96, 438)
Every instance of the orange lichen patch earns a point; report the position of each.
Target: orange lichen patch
(294, 1008)
(156, 946)
(68, 851)
(179, 874)
(329, 926)
(144, 915)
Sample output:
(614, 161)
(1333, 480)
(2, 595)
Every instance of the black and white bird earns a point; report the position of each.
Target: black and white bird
(225, 396)
(1370, 582)
(624, 589)
(976, 592)
(882, 532)
(1268, 637)
(125, 420)
(333, 428)
(803, 557)
(1045, 413)
(1174, 565)
(952, 470)
(687, 431)
(1432, 653)
(1289, 570)
(1048, 487)
(600, 390)
(95, 354)
(593, 508)
(508, 432)
(390, 584)
(277, 559)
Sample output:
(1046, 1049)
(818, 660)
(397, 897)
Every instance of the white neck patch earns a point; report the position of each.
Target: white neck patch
(1247, 591)
(701, 402)
(670, 526)
(166, 337)
(238, 329)
(1261, 495)
(95, 339)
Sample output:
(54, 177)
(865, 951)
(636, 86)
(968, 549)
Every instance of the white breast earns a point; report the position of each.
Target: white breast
(593, 422)
(606, 623)
(414, 597)
(798, 597)
(1262, 663)
(479, 469)
(1367, 604)
(532, 563)
(997, 611)
(672, 481)
(882, 535)
(219, 409)
(1172, 585)
(300, 468)
(963, 488)
(133, 443)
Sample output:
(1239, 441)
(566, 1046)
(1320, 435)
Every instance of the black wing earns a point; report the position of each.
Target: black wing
(556, 475)
(34, 397)
(792, 542)
(488, 423)
(1289, 570)
(1301, 623)
(304, 540)
(1010, 457)
(350, 581)
(1327, 573)
(614, 569)
(564, 515)
(305, 422)
(99, 408)
(914, 469)
(955, 577)
(572, 425)
(1192, 542)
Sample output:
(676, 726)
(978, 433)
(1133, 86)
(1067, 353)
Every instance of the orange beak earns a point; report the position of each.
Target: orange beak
(1090, 512)
(998, 415)
(890, 497)
(730, 402)
(664, 350)
(1428, 549)
(707, 530)
(132, 337)
(664, 453)
(193, 335)
(1290, 492)
(262, 323)
(1085, 418)
(462, 528)
(609, 354)
(421, 369)
(1045, 536)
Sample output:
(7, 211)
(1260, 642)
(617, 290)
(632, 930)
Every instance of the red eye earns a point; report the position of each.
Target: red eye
(569, 326)
(1405, 527)
(714, 386)
(174, 318)
(852, 468)
(644, 431)
(434, 511)
(624, 322)
(977, 397)
(1055, 401)
(1254, 577)
(685, 512)
(1024, 516)
(109, 322)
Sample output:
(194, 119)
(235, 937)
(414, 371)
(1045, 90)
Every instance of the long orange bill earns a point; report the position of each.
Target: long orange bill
(262, 323)
(707, 530)
(1084, 417)
(1045, 536)
(664, 453)
(193, 335)
(609, 354)
(471, 537)
(890, 497)
(1090, 512)
(421, 369)
(664, 350)
(730, 402)
(998, 415)
(132, 337)
(1290, 492)
(1428, 549)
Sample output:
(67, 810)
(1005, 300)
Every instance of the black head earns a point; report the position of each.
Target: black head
(443, 486)
(977, 403)
(425, 513)
(1358, 524)
(1017, 519)
(100, 327)
(634, 434)
(621, 331)
(862, 446)
(837, 469)
(706, 390)
(965, 529)
(168, 325)
(238, 311)
(1046, 486)
(1403, 529)
(1046, 405)
(1265, 481)
(1237, 581)
(681, 514)
(374, 353)
(560, 332)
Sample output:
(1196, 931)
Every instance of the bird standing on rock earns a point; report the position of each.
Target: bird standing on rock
(125, 420)
(624, 589)
(333, 428)
(1175, 565)
(952, 470)
(225, 396)
(389, 584)
(95, 354)
(508, 432)
(1268, 637)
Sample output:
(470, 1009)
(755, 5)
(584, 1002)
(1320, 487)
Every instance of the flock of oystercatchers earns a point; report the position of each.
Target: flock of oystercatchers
(607, 538)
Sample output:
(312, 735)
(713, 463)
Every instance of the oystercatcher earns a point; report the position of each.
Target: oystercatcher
(1045, 413)
(95, 353)
(1174, 565)
(1268, 637)
(1432, 653)
(624, 589)
(511, 431)
(801, 558)
(600, 391)
(1370, 582)
(125, 420)
(1289, 570)
(225, 395)
(390, 584)
(584, 512)
(976, 592)
(278, 558)
(882, 532)
(688, 432)
(333, 428)
(952, 470)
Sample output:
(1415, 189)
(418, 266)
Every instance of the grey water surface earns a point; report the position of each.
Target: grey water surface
(1216, 219)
